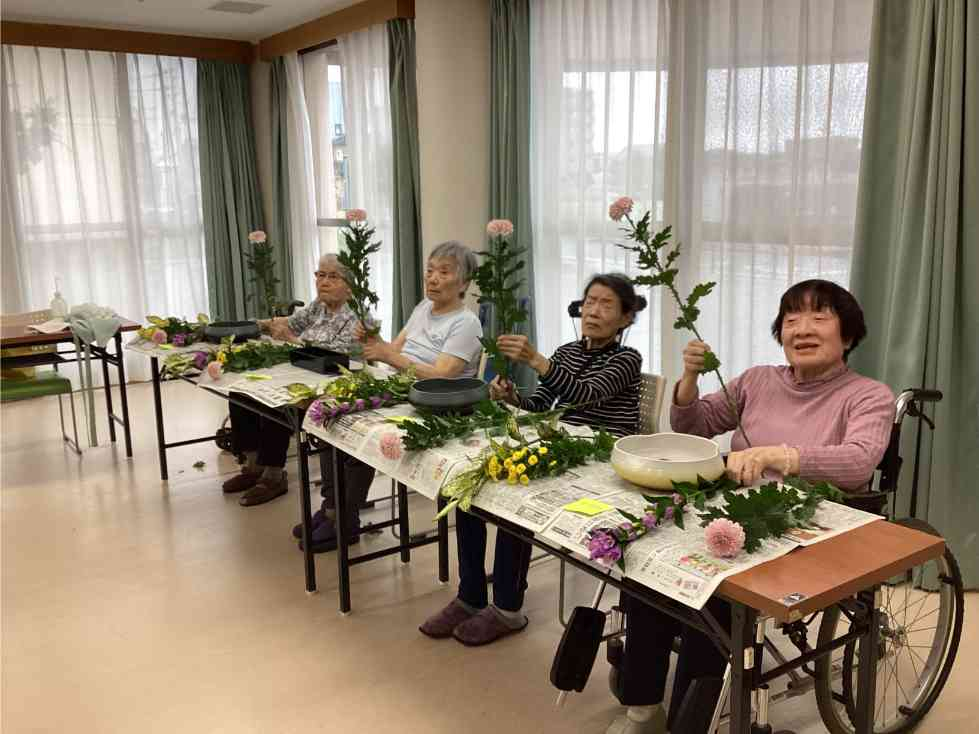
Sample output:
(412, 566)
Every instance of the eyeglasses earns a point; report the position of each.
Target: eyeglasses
(332, 277)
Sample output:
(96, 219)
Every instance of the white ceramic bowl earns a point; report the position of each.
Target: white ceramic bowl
(657, 460)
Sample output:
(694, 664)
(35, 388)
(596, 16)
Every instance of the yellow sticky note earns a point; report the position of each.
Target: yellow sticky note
(587, 506)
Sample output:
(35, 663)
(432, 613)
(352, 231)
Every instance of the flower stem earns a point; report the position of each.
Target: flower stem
(676, 297)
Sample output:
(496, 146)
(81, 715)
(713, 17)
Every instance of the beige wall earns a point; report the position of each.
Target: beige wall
(452, 45)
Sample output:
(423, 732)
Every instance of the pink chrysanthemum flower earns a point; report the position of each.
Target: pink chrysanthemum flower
(499, 228)
(725, 539)
(620, 208)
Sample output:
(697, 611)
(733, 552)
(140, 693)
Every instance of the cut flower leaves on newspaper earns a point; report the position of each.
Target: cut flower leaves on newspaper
(743, 521)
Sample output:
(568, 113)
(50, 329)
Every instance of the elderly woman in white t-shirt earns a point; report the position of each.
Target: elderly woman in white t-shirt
(441, 339)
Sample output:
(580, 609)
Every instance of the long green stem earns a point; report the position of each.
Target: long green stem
(676, 296)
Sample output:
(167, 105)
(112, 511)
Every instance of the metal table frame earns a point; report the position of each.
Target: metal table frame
(292, 418)
(116, 359)
(744, 645)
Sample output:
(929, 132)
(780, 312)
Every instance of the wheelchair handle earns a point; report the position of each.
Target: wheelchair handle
(914, 395)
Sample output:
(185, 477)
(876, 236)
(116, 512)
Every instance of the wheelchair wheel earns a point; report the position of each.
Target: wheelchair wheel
(920, 625)
(223, 435)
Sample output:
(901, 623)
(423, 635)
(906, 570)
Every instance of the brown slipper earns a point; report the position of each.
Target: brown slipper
(242, 481)
(485, 627)
(265, 490)
(441, 625)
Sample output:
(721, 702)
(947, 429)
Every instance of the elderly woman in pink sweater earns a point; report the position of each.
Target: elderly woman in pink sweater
(813, 417)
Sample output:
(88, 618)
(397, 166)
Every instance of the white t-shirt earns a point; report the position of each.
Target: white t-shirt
(457, 334)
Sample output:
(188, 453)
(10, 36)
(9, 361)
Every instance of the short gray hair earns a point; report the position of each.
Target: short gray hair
(332, 259)
(464, 258)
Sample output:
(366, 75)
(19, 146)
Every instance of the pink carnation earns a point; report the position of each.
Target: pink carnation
(256, 237)
(499, 228)
(391, 446)
(159, 337)
(620, 208)
(725, 539)
(215, 370)
(356, 215)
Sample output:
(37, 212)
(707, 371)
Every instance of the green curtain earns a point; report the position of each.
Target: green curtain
(510, 139)
(916, 255)
(280, 232)
(230, 196)
(408, 255)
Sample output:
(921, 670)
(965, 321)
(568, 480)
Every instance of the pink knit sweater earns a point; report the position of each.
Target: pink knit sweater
(840, 423)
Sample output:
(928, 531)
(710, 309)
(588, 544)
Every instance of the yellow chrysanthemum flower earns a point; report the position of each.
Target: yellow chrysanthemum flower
(521, 468)
(511, 479)
(525, 480)
(222, 357)
(508, 462)
(552, 464)
(532, 460)
(542, 451)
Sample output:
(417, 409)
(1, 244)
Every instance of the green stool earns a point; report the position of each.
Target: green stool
(47, 382)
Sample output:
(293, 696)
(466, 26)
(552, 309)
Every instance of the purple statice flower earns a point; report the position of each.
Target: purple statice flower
(678, 499)
(599, 542)
(200, 360)
(386, 397)
(334, 412)
(649, 520)
(611, 557)
(316, 412)
(344, 408)
(376, 402)
(360, 404)
(668, 513)
(629, 532)
(179, 340)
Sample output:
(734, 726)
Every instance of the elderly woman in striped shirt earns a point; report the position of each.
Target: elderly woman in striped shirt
(813, 417)
(600, 378)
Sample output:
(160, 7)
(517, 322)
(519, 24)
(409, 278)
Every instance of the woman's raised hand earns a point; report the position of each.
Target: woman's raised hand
(503, 389)
(693, 357)
(516, 347)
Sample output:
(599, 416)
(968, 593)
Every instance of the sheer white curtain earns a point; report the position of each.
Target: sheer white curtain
(736, 121)
(770, 157)
(101, 182)
(598, 114)
(302, 184)
(321, 75)
(367, 122)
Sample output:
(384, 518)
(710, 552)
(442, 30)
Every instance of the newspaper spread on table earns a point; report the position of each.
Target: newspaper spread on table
(162, 351)
(671, 561)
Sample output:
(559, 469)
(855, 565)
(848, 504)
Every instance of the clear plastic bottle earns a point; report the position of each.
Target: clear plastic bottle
(59, 307)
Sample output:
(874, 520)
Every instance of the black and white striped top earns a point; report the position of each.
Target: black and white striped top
(605, 381)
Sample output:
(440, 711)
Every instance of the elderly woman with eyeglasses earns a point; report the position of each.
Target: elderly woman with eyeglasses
(329, 322)
(441, 338)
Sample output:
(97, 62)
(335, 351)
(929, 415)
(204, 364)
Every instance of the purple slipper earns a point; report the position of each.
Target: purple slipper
(441, 625)
(485, 627)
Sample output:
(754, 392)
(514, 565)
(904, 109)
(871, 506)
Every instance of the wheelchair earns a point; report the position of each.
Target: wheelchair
(920, 614)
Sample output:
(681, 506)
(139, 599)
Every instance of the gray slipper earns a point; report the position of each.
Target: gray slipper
(441, 625)
(485, 627)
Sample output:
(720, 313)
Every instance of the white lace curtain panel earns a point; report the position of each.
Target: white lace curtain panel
(101, 183)
(738, 122)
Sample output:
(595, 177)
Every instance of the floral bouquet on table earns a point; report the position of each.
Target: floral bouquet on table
(356, 260)
(352, 392)
(742, 522)
(519, 462)
(498, 279)
(229, 357)
(173, 330)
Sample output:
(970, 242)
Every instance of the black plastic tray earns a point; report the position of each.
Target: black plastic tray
(317, 359)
